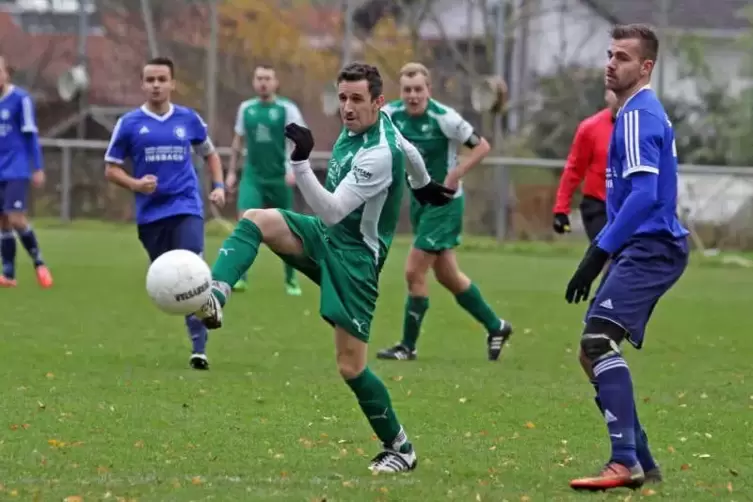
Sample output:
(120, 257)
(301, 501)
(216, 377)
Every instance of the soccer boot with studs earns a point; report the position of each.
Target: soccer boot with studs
(391, 460)
(613, 475)
(497, 339)
(397, 352)
(210, 314)
(199, 361)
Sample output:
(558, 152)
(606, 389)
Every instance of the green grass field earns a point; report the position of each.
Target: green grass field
(99, 402)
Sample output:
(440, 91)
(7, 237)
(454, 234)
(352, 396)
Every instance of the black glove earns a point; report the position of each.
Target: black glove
(588, 270)
(434, 194)
(302, 139)
(561, 223)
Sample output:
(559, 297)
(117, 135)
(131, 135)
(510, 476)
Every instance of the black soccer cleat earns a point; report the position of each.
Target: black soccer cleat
(654, 475)
(398, 352)
(199, 361)
(495, 340)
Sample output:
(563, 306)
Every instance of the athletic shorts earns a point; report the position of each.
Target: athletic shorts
(348, 278)
(13, 195)
(253, 194)
(437, 228)
(637, 277)
(593, 212)
(175, 232)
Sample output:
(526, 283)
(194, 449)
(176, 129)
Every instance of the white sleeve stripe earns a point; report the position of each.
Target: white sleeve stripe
(632, 140)
(115, 132)
(28, 115)
(113, 160)
(639, 169)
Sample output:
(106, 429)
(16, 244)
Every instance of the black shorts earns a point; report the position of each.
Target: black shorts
(594, 214)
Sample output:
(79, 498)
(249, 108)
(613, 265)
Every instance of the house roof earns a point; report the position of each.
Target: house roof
(718, 15)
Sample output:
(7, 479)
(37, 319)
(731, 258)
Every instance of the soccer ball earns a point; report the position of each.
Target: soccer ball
(179, 282)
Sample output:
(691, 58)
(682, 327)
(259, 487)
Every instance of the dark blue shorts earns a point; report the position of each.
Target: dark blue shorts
(176, 232)
(13, 196)
(637, 277)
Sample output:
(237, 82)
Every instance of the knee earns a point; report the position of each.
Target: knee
(17, 221)
(349, 367)
(452, 279)
(265, 219)
(415, 276)
(601, 339)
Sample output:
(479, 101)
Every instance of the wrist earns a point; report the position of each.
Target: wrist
(300, 165)
(218, 185)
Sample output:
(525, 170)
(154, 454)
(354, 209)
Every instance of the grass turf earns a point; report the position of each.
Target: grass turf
(99, 402)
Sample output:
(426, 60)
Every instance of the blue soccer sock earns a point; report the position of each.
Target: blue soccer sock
(8, 253)
(29, 240)
(616, 398)
(197, 332)
(641, 439)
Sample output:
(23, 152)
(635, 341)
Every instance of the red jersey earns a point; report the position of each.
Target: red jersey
(587, 159)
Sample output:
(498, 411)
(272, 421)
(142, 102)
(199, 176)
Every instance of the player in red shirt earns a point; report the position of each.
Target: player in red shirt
(587, 159)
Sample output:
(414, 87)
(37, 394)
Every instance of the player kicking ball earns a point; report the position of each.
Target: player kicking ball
(438, 132)
(647, 247)
(343, 247)
(267, 180)
(20, 161)
(158, 138)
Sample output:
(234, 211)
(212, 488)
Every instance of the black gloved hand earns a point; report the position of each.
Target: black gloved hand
(434, 194)
(561, 223)
(302, 139)
(588, 270)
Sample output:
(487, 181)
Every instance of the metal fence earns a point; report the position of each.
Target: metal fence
(506, 198)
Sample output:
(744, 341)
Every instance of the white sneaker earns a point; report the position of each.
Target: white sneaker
(392, 461)
(210, 314)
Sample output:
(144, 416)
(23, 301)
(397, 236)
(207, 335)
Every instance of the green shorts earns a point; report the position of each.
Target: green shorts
(348, 278)
(253, 194)
(437, 228)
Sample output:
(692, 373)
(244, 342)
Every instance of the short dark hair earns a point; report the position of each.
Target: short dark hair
(355, 72)
(265, 66)
(163, 61)
(642, 32)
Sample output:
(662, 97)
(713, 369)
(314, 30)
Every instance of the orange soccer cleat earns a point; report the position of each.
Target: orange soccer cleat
(44, 277)
(7, 283)
(613, 475)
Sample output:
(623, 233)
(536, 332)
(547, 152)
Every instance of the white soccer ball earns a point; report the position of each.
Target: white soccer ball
(179, 282)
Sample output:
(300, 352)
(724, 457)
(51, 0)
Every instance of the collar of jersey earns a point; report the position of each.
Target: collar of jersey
(352, 134)
(10, 90)
(647, 86)
(153, 115)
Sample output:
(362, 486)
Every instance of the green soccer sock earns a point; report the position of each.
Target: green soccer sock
(289, 274)
(415, 309)
(375, 403)
(236, 256)
(473, 303)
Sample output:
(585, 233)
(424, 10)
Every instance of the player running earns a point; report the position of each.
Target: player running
(158, 138)
(587, 160)
(343, 247)
(267, 180)
(20, 161)
(438, 131)
(647, 246)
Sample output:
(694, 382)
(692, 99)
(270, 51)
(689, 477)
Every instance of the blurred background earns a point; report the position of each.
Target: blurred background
(82, 59)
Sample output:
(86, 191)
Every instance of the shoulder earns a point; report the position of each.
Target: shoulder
(19, 92)
(247, 104)
(393, 107)
(445, 115)
(184, 111)
(130, 117)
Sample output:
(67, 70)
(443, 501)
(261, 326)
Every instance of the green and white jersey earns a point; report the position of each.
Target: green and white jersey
(438, 134)
(262, 123)
(370, 165)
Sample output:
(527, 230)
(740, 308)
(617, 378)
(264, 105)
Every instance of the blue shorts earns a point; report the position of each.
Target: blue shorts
(13, 196)
(175, 232)
(637, 277)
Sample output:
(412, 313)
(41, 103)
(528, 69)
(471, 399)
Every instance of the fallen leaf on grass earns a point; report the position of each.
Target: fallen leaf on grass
(176, 483)
(525, 498)
(670, 449)
(138, 444)
(397, 378)
(50, 375)
(729, 487)
(14, 493)
(196, 480)
(463, 400)
(685, 467)
(383, 489)
(647, 492)
(73, 498)
(348, 484)
(102, 469)
(530, 425)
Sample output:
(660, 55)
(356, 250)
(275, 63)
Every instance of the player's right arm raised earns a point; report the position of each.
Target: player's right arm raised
(117, 151)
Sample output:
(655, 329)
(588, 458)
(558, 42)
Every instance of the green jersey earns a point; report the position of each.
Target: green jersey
(262, 123)
(437, 134)
(370, 165)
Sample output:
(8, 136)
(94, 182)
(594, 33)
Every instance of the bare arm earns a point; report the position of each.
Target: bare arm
(117, 175)
(474, 158)
(236, 153)
(215, 168)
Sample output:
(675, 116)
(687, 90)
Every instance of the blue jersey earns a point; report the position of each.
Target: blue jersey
(19, 144)
(160, 145)
(642, 154)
